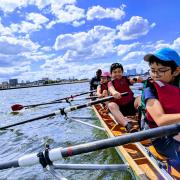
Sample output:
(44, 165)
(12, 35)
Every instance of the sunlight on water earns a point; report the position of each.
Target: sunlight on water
(56, 131)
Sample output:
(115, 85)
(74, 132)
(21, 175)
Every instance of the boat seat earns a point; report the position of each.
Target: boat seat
(156, 154)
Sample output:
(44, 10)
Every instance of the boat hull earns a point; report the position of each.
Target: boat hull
(142, 162)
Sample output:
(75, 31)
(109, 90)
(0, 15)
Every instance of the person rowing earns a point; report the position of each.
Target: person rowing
(102, 89)
(121, 106)
(95, 81)
(161, 97)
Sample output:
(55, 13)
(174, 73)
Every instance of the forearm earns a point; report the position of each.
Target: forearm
(98, 92)
(159, 116)
(112, 90)
(167, 119)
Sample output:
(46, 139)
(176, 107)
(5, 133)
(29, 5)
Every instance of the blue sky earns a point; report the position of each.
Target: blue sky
(73, 38)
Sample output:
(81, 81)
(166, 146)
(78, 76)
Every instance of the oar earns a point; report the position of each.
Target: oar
(59, 153)
(18, 107)
(63, 111)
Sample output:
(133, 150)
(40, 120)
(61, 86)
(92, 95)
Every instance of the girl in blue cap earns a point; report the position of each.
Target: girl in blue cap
(161, 98)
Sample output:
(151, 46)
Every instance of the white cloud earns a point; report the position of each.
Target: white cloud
(9, 6)
(96, 43)
(51, 24)
(64, 11)
(57, 67)
(176, 44)
(25, 27)
(46, 48)
(4, 30)
(125, 48)
(78, 23)
(15, 46)
(56, 5)
(37, 21)
(36, 18)
(162, 44)
(67, 14)
(13, 71)
(98, 12)
(18, 55)
(135, 56)
(82, 40)
(134, 28)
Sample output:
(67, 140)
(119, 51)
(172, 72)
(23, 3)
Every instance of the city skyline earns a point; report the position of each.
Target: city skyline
(128, 72)
(73, 38)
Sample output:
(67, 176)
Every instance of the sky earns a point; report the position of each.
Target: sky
(73, 38)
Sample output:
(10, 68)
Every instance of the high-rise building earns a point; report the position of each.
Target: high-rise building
(13, 82)
(131, 72)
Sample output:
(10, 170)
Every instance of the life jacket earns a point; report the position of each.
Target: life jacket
(122, 85)
(103, 87)
(168, 96)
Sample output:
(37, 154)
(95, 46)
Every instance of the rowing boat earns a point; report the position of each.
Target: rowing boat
(142, 157)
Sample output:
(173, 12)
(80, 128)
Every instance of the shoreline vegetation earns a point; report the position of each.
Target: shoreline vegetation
(51, 84)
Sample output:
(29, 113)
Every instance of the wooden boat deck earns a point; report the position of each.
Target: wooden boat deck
(135, 154)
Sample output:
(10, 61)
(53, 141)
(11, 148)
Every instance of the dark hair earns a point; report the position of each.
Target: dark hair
(99, 71)
(171, 64)
(115, 66)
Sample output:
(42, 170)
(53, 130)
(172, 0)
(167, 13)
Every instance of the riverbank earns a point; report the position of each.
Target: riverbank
(53, 84)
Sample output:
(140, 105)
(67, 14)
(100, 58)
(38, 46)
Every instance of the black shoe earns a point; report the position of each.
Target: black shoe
(130, 129)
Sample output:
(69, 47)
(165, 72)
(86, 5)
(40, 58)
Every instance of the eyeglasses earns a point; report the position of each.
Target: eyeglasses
(159, 71)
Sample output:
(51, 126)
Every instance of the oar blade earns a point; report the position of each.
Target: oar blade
(17, 107)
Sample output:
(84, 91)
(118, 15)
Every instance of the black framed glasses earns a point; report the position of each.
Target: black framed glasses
(159, 71)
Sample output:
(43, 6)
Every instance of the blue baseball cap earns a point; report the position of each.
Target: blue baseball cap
(165, 54)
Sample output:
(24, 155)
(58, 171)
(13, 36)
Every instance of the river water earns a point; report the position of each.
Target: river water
(56, 131)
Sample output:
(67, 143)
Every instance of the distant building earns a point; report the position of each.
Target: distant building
(58, 79)
(131, 72)
(5, 85)
(13, 82)
(41, 82)
(45, 79)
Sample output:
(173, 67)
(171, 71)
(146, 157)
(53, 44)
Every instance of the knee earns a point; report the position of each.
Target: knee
(112, 106)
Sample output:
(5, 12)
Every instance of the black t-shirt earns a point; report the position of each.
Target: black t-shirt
(95, 81)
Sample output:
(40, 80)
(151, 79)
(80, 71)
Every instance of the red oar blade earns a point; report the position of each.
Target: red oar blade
(17, 107)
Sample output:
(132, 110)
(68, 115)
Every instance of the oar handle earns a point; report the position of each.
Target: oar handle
(59, 153)
(121, 140)
(76, 95)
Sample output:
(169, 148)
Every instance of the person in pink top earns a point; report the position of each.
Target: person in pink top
(102, 89)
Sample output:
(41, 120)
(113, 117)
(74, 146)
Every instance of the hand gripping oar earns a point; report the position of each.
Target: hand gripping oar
(63, 111)
(59, 153)
(18, 107)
